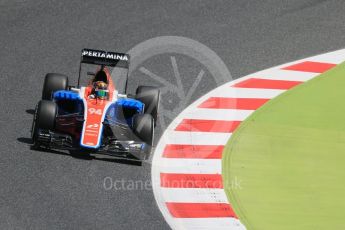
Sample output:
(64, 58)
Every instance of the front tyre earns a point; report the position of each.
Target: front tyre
(149, 95)
(143, 127)
(44, 118)
(53, 82)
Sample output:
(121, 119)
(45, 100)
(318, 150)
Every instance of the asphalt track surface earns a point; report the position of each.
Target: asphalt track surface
(41, 190)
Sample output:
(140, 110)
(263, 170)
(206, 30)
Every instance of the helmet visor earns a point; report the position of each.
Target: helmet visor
(102, 93)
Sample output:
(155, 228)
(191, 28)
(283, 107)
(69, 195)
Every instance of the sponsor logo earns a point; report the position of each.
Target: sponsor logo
(102, 54)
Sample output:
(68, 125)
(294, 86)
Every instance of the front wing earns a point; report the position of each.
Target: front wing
(129, 149)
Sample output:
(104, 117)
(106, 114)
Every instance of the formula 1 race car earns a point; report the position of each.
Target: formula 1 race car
(99, 117)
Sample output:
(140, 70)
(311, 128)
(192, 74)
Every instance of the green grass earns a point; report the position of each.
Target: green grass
(284, 168)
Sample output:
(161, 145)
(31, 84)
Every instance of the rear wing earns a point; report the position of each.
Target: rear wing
(100, 57)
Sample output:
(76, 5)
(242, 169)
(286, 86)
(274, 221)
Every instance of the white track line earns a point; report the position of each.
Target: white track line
(209, 223)
(219, 114)
(335, 57)
(198, 166)
(194, 195)
(197, 138)
(285, 75)
(232, 92)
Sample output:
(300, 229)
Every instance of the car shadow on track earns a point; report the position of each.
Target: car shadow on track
(76, 155)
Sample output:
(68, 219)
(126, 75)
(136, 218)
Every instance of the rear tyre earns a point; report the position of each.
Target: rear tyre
(149, 95)
(44, 118)
(53, 82)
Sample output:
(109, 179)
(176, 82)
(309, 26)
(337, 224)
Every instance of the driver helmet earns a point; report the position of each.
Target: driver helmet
(101, 89)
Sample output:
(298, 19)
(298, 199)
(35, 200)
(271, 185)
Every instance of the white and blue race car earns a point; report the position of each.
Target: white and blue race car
(100, 117)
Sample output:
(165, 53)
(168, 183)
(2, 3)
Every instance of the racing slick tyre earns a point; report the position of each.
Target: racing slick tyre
(53, 82)
(44, 118)
(149, 95)
(143, 126)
